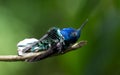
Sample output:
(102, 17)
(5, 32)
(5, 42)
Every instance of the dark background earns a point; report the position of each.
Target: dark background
(20, 19)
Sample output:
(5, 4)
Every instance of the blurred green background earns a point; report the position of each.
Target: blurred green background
(21, 19)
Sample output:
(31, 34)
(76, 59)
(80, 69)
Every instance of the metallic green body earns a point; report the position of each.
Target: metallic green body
(54, 36)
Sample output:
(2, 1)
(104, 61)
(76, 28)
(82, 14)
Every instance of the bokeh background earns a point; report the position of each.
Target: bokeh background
(20, 19)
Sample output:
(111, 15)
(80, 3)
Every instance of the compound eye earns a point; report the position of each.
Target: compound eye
(74, 34)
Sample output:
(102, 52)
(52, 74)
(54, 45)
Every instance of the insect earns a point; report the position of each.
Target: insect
(55, 41)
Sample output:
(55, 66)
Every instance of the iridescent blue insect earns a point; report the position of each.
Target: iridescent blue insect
(55, 41)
